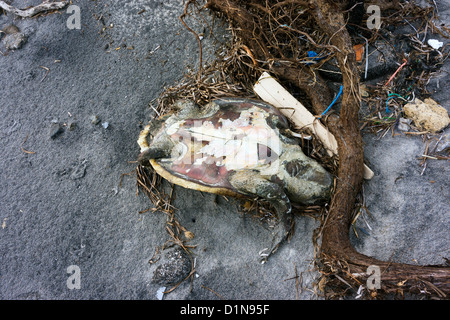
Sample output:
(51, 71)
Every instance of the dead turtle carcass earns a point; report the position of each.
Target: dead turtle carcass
(235, 147)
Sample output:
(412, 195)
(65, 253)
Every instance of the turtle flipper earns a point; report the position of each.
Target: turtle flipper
(188, 109)
(275, 194)
(185, 109)
(250, 182)
(152, 153)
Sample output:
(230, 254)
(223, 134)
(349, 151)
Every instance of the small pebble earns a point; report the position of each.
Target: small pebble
(94, 120)
(403, 124)
(14, 41)
(55, 130)
(435, 44)
(71, 125)
(10, 29)
(173, 267)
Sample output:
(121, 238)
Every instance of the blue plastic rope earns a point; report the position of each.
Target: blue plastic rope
(314, 56)
(335, 99)
(387, 104)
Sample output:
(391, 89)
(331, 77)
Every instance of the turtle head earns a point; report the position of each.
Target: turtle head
(154, 143)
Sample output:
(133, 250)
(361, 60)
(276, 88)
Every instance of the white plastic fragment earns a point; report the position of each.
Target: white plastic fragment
(359, 292)
(435, 44)
(105, 124)
(160, 293)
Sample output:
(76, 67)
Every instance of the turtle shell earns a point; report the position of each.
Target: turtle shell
(240, 135)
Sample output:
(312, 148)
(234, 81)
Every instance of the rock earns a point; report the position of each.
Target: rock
(10, 29)
(427, 115)
(403, 124)
(174, 266)
(14, 39)
(442, 144)
(160, 293)
(94, 120)
(55, 130)
(71, 125)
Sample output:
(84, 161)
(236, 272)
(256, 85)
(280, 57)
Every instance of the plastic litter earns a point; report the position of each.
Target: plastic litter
(332, 103)
(314, 55)
(435, 44)
(398, 70)
(160, 293)
(392, 96)
(359, 51)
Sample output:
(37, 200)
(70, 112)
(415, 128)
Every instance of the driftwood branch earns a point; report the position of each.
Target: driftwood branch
(30, 12)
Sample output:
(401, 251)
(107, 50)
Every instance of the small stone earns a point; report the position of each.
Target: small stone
(55, 130)
(363, 90)
(14, 41)
(442, 144)
(427, 115)
(403, 124)
(94, 120)
(10, 29)
(173, 268)
(71, 125)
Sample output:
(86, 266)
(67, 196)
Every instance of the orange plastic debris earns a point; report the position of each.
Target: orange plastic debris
(359, 51)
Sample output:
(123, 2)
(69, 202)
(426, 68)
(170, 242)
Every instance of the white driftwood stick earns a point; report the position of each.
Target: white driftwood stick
(26, 13)
(272, 92)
